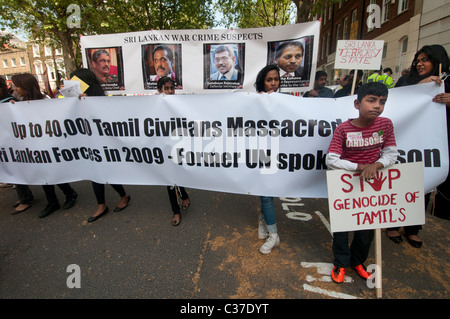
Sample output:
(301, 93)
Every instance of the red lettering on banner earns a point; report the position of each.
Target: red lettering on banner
(401, 210)
(393, 174)
(346, 182)
(380, 200)
(392, 177)
(381, 216)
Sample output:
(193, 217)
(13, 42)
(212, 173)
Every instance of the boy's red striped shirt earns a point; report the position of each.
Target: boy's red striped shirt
(362, 145)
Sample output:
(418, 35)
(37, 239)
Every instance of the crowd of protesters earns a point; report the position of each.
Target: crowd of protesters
(430, 64)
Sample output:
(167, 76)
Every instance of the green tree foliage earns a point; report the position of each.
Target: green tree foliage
(308, 8)
(45, 19)
(265, 13)
(41, 19)
(255, 13)
(139, 15)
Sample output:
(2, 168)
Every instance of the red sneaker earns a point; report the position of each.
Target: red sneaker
(337, 274)
(362, 272)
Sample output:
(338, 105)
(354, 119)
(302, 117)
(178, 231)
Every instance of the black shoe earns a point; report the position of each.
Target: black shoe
(414, 243)
(118, 209)
(70, 201)
(395, 239)
(50, 208)
(94, 218)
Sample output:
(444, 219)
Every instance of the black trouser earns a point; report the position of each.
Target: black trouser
(50, 192)
(442, 200)
(24, 193)
(99, 191)
(357, 253)
(172, 190)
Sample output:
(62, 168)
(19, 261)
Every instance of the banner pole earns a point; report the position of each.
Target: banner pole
(354, 81)
(378, 273)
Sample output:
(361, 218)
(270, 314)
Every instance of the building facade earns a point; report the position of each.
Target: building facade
(44, 60)
(396, 22)
(435, 23)
(47, 64)
(13, 58)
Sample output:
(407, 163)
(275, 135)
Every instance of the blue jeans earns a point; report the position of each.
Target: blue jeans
(268, 213)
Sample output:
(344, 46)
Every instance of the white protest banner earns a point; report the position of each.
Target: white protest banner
(247, 143)
(138, 59)
(394, 198)
(359, 54)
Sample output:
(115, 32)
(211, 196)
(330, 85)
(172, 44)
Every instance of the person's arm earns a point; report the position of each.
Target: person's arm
(389, 82)
(369, 171)
(334, 161)
(442, 97)
(432, 78)
(313, 93)
(388, 156)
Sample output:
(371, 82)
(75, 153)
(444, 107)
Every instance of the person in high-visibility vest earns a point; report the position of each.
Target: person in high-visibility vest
(374, 76)
(386, 78)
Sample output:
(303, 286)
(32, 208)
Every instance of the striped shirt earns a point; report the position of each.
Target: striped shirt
(362, 145)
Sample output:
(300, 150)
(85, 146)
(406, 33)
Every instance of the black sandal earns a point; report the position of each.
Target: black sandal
(187, 205)
(176, 221)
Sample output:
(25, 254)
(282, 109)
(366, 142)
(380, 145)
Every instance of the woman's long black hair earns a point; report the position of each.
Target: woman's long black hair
(28, 83)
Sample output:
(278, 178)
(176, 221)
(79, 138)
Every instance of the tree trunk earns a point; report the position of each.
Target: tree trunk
(303, 10)
(68, 47)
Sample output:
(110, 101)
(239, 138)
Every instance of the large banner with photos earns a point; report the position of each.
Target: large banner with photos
(203, 61)
(260, 144)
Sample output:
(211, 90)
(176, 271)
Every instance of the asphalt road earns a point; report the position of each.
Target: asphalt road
(212, 254)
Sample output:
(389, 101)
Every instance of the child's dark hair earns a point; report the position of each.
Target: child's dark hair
(372, 88)
(163, 80)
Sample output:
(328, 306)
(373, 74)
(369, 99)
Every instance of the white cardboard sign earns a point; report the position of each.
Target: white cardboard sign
(394, 198)
(359, 54)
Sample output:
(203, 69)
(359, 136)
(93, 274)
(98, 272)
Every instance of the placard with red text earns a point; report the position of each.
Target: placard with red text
(359, 54)
(394, 198)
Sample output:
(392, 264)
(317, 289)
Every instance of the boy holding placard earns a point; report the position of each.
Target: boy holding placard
(365, 145)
